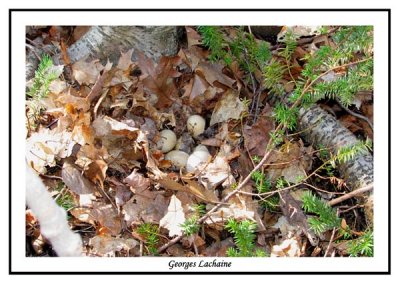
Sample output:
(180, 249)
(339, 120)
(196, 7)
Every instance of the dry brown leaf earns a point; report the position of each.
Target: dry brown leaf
(105, 245)
(228, 107)
(148, 207)
(288, 248)
(96, 172)
(83, 215)
(198, 88)
(78, 103)
(160, 79)
(108, 217)
(196, 189)
(257, 136)
(193, 37)
(86, 72)
(75, 181)
(291, 209)
(174, 218)
(213, 73)
(44, 146)
(125, 60)
(137, 181)
(192, 187)
(95, 92)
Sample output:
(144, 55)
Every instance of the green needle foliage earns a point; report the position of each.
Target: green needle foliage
(288, 117)
(190, 226)
(244, 236)
(214, 40)
(44, 75)
(150, 233)
(363, 246)
(326, 216)
(263, 185)
(250, 54)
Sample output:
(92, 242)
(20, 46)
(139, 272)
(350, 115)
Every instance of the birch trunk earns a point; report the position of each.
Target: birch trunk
(322, 128)
(102, 42)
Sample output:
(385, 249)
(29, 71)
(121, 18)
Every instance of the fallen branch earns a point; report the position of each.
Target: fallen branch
(351, 194)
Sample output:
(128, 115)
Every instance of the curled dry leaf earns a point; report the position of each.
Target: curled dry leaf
(105, 245)
(96, 172)
(292, 162)
(213, 74)
(75, 181)
(147, 206)
(137, 181)
(228, 107)
(108, 217)
(257, 136)
(104, 215)
(175, 217)
(86, 72)
(95, 92)
(125, 60)
(191, 187)
(193, 37)
(288, 248)
(43, 147)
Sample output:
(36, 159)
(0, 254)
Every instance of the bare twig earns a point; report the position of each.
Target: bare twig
(360, 116)
(351, 194)
(330, 242)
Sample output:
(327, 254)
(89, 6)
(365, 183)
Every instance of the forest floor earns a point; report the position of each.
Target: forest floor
(96, 134)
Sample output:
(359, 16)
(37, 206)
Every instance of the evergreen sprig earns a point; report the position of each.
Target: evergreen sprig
(327, 218)
(348, 153)
(286, 116)
(263, 185)
(190, 226)
(44, 75)
(244, 236)
(150, 233)
(362, 246)
(214, 40)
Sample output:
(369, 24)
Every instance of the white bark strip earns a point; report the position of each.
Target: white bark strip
(102, 42)
(51, 217)
(322, 128)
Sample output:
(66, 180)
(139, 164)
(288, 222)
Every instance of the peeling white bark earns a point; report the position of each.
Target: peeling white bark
(102, 42)
(51, 217)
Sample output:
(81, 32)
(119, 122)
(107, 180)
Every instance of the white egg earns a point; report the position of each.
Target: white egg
(167, 140)
(197, 159)
(196, 125)
(200, 148)
(177, 158)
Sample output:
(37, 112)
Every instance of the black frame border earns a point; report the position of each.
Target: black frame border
(11, 272)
